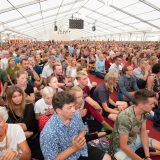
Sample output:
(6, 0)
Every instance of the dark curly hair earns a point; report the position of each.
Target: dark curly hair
(156, 68)
(62, 98)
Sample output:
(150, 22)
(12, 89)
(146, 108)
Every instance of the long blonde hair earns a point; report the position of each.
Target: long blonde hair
(110, 80)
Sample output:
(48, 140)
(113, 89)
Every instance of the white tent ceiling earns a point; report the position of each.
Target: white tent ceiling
(36, 18)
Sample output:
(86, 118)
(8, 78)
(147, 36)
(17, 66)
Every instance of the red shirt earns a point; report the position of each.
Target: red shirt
(86, 92)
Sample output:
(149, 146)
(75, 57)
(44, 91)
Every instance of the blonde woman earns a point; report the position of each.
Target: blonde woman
(72, 69)
(93, 108)
(101, 95)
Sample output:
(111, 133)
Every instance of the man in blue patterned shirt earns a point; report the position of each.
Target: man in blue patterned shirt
(63, 137)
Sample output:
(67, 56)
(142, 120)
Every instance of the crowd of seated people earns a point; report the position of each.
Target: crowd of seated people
(51, 109)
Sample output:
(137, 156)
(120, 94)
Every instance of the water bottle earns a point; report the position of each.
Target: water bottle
(86, 128)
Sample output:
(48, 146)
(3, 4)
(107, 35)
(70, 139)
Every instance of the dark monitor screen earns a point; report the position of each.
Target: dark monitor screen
(76, 23)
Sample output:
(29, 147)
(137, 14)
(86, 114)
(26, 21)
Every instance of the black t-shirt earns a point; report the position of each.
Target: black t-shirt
(101, 94)
(86, 92)
(29, 89)
(28, 118)
(42, 64)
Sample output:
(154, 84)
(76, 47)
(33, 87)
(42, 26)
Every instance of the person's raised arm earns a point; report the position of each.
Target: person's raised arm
(78, 143)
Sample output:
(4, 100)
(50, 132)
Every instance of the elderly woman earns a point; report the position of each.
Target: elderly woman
(44, 105)
(13, 145)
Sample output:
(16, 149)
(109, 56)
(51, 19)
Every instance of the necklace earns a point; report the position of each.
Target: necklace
(136, 115)
(18, 119)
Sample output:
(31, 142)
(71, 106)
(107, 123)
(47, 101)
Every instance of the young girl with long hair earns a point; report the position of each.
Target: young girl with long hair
(23, 83)
(23, 114)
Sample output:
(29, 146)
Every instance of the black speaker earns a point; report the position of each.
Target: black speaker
(55, 28)
(93, 28)
(76, 23)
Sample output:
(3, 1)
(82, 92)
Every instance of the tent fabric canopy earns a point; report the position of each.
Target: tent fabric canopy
(35, 19)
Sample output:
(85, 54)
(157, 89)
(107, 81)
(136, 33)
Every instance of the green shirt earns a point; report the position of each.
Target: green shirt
(11, 72)
(3, 76)
(126, 123)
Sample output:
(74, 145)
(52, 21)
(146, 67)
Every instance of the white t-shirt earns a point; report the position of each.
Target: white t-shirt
(15, 136)
(47, 71)
(41, 106)
(4, 63)
(115, 68)
(71, 71)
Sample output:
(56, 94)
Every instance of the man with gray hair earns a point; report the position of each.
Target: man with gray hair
(48, 69)
(141, 73)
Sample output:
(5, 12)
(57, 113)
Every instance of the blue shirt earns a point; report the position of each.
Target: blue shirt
(38, 69)
(128, 84)
(17, 59)
(138, 73)
(100, 66)
(57, 137)
(71, 50)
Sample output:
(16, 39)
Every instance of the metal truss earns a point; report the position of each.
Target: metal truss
(107, 24)
(22, 16)
(110, 18)
(150, 4)
(66, 11)
(5, 28)
(45, 10)
(131, 15)
(21, 6)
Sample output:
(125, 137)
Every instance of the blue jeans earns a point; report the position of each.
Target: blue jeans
(136, 144)
(100, 75)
